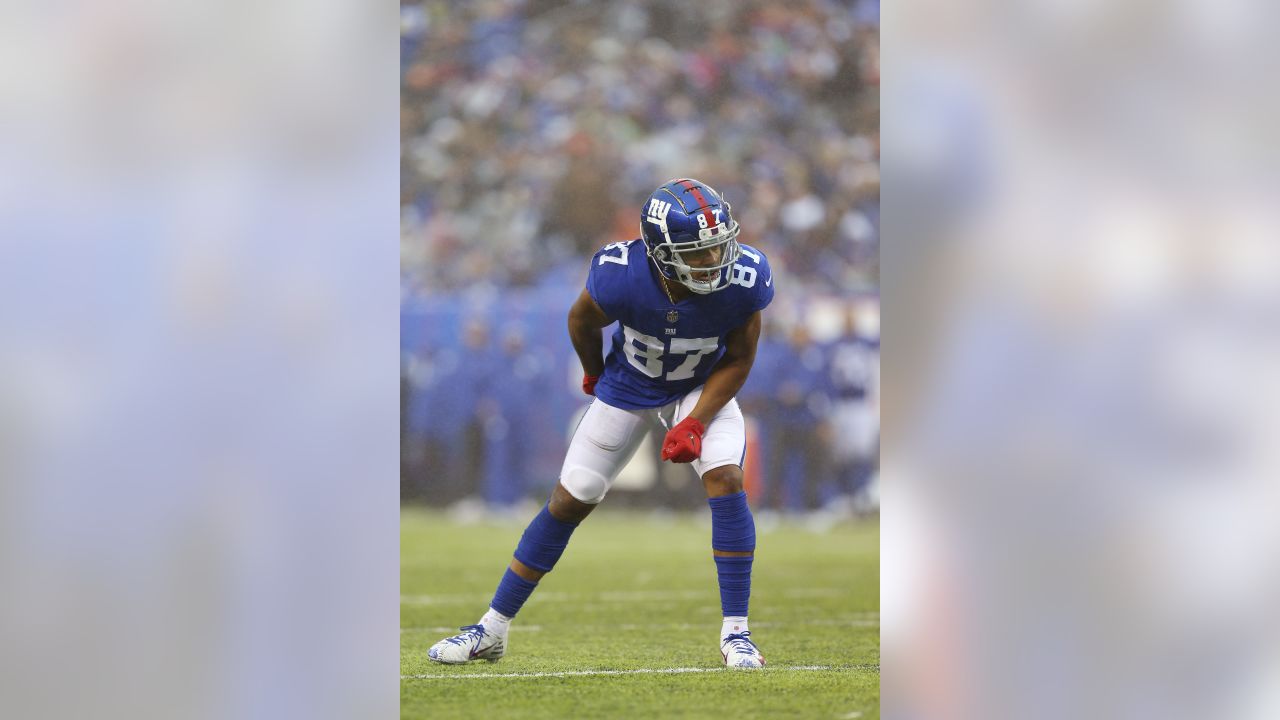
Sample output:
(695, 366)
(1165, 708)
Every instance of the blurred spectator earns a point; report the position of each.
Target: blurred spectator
(433, 433)
(475, 391)
(757, 394)
(524, 379)
(800, 404)
(854, 376)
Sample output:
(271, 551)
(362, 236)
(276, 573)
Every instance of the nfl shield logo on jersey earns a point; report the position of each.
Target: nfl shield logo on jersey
(672, 316)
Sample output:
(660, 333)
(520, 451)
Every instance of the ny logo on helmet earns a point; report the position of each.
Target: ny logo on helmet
(658, 211)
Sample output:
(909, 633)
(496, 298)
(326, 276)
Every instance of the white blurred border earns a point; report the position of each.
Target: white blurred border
(1081, 286)
(198, 371)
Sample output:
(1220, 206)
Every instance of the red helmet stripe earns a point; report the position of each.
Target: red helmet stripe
(699, 198)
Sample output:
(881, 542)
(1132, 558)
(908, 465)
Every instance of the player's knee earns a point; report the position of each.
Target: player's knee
(585, 486)
(724, 480)
(564, 506)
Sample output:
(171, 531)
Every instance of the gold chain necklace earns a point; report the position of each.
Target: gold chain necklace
(662, 280)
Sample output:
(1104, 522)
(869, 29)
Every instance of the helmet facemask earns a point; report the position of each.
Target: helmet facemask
(686, 261)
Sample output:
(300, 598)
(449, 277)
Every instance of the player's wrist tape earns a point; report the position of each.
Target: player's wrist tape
(733, 529)
(544, 541)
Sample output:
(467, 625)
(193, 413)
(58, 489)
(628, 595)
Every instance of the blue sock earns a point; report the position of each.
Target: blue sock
(540, 547)
(511, 594)
(734, 574)
(733, 529)
(544, 541)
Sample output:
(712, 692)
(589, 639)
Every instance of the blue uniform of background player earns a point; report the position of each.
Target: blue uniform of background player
(686, 298)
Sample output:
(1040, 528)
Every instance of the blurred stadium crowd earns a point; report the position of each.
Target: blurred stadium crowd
(530, 133)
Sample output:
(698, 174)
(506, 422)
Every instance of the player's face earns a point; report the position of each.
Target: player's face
(706, 257)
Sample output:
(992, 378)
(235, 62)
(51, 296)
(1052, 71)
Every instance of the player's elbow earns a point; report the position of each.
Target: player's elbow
(741, 359)
(733, 369)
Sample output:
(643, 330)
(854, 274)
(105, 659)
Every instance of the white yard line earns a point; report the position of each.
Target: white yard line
(613, 596)
(858, 622)
(831, 622)
(455, 629)
(638, 671)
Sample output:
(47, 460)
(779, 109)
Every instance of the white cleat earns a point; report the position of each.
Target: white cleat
(740, 652)
(473, 643)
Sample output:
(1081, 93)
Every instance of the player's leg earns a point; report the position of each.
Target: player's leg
(603, 442)
(733, 529)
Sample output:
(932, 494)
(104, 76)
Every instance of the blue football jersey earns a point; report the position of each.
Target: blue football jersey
(662, 351)
(852, 364)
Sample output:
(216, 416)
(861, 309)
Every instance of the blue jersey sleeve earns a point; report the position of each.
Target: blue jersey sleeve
(607, 277)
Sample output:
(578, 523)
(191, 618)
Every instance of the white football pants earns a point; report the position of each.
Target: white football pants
(607, 437)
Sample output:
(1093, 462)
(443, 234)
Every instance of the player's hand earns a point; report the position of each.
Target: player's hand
(589, 384)
(684, 441)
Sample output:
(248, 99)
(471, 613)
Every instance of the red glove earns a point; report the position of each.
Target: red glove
(589, 384)
(684, 441)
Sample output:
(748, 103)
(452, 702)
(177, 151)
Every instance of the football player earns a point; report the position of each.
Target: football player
(687, 297)
(854, 377)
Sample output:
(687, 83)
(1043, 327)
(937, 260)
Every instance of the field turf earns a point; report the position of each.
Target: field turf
(628, 624)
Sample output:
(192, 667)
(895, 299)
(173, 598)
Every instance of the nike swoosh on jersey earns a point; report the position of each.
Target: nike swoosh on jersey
(770, 280)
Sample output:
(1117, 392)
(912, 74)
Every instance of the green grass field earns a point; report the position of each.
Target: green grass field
(633, 599)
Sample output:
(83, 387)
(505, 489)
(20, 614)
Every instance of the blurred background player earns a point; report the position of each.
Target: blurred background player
(508, 440)
(853, 366)
(687, 298)
(797, 413)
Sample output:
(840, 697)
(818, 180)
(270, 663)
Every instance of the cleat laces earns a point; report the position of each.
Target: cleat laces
(741, 642)
(473, 633)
